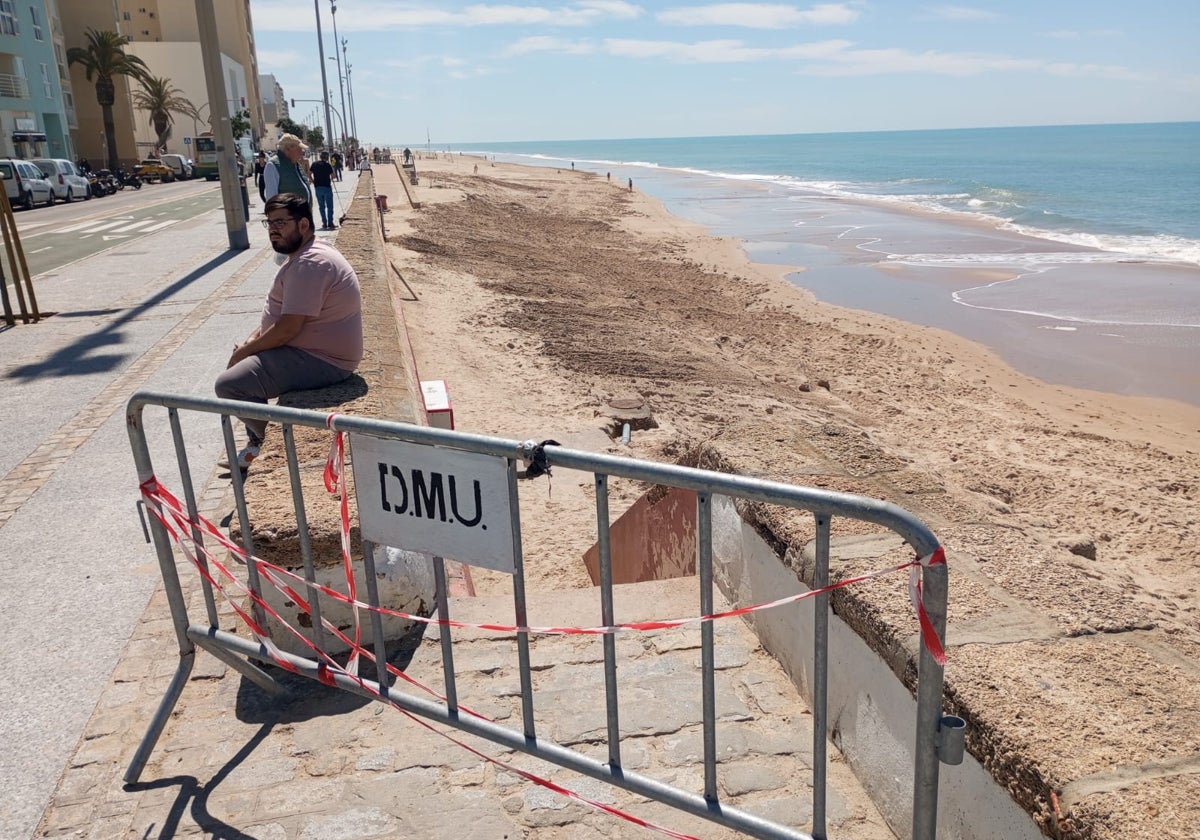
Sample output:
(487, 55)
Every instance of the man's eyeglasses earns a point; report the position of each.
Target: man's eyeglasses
(276, 224)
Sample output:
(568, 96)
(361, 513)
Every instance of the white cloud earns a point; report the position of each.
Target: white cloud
(545, 43)
(823, 58)
(375, 15)
(961, 13)
(717, 52)
(269, 60)
(1096, 71)
(613, 8)
(759, 15)
(891, 61)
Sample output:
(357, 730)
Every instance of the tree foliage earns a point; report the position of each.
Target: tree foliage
(103, 58)
(290, 126)
(239, 123)
(162, 100)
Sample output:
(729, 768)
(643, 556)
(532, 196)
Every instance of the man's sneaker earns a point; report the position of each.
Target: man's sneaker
(245, 458)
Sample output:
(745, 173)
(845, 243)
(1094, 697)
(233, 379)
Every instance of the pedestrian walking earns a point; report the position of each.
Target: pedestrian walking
(322, 180)
(260, 165)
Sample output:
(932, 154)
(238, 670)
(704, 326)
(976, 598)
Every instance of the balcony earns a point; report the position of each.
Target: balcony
(13, 87)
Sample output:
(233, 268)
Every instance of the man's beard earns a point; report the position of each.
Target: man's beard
(290, 244)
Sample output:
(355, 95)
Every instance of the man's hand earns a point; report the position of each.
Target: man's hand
(238, 354)
(279, 334)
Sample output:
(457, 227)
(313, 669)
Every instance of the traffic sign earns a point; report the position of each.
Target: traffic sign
(187, 141)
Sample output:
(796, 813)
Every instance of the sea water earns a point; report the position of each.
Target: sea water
(1093, 230)
(1134, 189)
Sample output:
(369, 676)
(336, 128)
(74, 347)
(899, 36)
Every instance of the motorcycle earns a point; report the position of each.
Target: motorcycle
(104, 182)
(128, 179)
(109, 180)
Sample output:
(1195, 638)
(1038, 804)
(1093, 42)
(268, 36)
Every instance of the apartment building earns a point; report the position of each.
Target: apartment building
(275, 108)
(36, 106)
(165, 35)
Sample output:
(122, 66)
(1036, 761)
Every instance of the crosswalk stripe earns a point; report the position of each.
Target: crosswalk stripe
(118, 226)
(75, 228)
(159, 226)
(103, 226)
(133, 226)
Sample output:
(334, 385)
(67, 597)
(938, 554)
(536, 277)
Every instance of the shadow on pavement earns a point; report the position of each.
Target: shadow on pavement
(193, 797)
(73, 359)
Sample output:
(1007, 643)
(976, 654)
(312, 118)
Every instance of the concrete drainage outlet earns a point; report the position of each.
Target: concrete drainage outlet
(626, 415)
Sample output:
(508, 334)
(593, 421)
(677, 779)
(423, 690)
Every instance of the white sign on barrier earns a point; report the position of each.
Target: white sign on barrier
(436, 501)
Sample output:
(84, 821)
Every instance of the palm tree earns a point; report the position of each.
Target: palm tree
(104, 57)
(162, 99)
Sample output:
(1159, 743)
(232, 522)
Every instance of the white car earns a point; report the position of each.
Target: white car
(25, 184)
(65, 179)
(179, 165)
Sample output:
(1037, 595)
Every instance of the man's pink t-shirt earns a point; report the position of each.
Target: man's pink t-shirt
(318, 283)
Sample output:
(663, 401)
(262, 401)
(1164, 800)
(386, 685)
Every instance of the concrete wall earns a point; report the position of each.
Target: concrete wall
(871, 714)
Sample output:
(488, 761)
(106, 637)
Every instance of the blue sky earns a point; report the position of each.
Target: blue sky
(611, 69)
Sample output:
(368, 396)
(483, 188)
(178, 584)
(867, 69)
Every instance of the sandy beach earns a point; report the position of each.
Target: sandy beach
(1069, 516)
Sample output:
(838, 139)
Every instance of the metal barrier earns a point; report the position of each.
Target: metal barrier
(938, 739)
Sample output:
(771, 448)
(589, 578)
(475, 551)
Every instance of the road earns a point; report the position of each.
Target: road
(64, 233)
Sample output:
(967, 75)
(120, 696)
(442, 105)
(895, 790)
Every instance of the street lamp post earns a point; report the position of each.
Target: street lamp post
(338, 57)
(350, 90)
(324, 79)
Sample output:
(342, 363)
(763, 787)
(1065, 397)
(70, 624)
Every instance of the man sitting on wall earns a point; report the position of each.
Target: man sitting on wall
(310, 334)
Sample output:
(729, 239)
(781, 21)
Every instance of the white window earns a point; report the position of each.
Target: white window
(46, 81)
(37, 24)
(8, 18)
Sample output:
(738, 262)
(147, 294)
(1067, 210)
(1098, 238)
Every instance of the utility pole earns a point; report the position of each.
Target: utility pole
(324, 80)
(341, 79)
(231, 188)
(350, 88)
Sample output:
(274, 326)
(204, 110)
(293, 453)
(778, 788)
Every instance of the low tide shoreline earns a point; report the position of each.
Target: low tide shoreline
(1069, 315)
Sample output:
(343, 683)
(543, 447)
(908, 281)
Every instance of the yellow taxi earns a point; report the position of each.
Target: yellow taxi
(153, 169)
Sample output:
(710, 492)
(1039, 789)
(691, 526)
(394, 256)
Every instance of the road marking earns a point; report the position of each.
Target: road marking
(107, 238)
(133, 226)
(81, 225)
(119, 225)
(39, 250)
(159, 226)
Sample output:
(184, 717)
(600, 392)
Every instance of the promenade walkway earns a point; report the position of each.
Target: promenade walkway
(98, 649)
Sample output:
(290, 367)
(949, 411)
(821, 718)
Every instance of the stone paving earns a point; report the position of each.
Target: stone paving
(325, 764)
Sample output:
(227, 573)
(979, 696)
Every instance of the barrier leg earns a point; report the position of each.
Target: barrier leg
(165, 707)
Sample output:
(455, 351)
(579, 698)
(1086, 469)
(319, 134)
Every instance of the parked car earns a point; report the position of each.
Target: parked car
(65, 178)
(179, 165)
(153, 169)
(25, 184)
